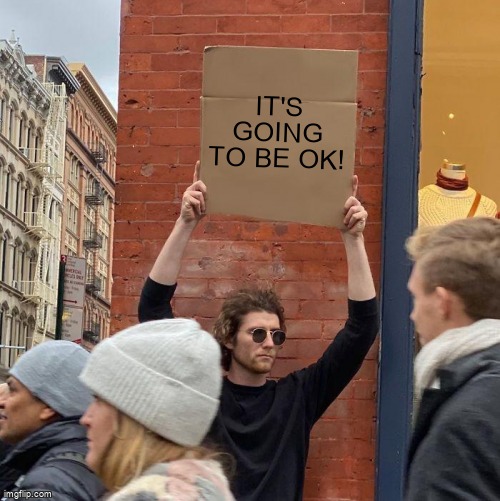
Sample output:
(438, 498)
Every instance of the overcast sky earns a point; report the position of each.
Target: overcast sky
(82, 31)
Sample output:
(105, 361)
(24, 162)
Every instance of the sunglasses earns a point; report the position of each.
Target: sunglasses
(259, 335)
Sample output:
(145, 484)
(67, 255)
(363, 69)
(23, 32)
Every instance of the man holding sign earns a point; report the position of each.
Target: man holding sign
(265, 424)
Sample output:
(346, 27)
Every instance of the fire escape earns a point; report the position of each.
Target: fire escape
(47, 162)
(93, 241)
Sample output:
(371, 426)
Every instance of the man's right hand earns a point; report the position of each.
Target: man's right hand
(193, 201)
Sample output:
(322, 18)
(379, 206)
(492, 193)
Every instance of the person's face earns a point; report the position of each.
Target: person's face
(100, 419)
(21, 414)
(252, 357)
(427, 309)
(4, 391)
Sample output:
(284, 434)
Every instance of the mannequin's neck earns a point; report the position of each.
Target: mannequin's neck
(453, 174)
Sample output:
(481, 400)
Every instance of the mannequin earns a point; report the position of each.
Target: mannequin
(451, 198)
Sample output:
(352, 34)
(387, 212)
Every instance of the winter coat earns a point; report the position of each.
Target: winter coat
(182, 480)
(455, 450)
(53, 459)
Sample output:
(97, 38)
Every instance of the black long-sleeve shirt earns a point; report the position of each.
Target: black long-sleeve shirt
(266, 429)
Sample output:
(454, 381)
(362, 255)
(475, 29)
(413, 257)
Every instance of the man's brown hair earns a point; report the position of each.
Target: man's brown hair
(238, 305)
(463, 257)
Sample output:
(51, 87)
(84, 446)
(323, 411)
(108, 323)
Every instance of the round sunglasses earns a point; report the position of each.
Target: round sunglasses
(259, 335)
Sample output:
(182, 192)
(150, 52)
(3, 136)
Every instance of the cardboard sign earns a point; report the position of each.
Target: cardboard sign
(278, 132)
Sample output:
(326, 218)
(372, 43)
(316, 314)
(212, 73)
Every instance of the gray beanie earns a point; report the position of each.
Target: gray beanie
(50, 371)
(165, 374)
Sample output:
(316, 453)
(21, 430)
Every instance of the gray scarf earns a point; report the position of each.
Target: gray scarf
(449, 346)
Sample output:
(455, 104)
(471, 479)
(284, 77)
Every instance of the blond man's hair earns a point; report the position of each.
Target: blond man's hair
(134, 448)
(463, 257)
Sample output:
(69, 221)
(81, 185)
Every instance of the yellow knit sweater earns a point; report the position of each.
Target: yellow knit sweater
(439, 206)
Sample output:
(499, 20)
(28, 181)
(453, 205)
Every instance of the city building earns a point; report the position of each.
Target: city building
(57, 167)
(32, 117)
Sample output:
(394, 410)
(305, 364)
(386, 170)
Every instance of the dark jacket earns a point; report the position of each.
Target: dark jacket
(53, 459)
(455, 449)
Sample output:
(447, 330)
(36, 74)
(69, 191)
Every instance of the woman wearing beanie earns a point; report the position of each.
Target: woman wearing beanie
(156, 388)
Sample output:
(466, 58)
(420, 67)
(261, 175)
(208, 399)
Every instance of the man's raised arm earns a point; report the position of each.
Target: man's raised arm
(159, 287)
(360, 285)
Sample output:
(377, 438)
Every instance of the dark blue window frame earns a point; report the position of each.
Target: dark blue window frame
(400, 215)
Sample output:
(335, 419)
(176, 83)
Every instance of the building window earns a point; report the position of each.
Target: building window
(7, 189)
(72, 220)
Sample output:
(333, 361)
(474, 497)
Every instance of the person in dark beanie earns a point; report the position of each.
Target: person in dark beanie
(156, 388)
(40, 420)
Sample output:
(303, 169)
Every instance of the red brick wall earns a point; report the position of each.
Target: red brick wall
(160, 80)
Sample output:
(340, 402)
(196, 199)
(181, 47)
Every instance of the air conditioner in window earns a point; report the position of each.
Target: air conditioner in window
(15, 284)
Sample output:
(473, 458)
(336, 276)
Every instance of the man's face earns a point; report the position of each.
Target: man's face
(427, 314)
(21, 414)
(249, 356)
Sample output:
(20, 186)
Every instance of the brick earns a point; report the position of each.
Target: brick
(214, 7)
(149, 80)
(372, 157)
(303, 348)
(371, 100)
(378, 6)
(355, 23)
(373, 80)
(136, 192)
(339, 41)
(162, 211)
(181, 25)
(181, 61)
(277, 40)
(149, 44)
(188, 155)
(123, 286)
(156, 7)
(371, 136)
(304, 329)
(172, 135)
(135, 62)
(188, 118)
(194, 288)
(136, 25)
(190, 307)
(134, 99)
(150, 118)
(305, 24)
(136, 135)
(335, 6)
(374, 41)
(147, 154)
(323, 310)
(191, 80)
(249, 24)
(130, 211)
(300, 290)
(375, 60)
(197, 43)
(277, 7)
(127, 249)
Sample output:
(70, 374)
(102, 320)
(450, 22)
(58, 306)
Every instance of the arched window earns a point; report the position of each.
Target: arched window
(11, 130)
(27, 194)
(8, 188)
(3, 111)
(23, 127)
(19, 185)
(32, 258)
(6, 256)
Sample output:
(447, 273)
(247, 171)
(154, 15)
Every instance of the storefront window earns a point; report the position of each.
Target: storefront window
(460, 111)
